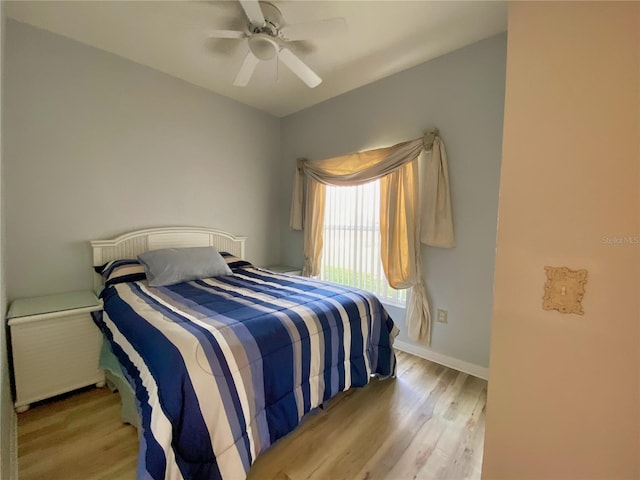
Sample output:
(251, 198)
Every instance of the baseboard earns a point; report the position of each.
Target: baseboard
(460, 365)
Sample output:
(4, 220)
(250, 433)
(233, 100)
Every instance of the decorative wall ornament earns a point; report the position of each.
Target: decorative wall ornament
(564, 290)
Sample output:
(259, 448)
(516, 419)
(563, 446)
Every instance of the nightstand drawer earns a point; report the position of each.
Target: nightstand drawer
(53, 352)
(55, 356)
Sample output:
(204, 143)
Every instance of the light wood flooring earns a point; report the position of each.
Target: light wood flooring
(428, 423)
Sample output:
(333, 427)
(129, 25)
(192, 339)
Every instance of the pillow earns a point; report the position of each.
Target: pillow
(121, 271)
(169, 266)
(234, 262)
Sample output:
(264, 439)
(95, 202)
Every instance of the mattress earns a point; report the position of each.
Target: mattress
(223, 367)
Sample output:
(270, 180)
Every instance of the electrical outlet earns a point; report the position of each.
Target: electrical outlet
(442, 315)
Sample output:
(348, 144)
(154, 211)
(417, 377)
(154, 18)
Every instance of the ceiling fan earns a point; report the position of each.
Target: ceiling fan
(267, 37)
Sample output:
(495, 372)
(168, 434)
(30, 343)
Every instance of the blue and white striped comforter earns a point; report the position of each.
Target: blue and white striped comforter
(224, 367)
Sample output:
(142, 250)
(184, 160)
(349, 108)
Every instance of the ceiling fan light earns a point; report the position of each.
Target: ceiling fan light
(263, 46)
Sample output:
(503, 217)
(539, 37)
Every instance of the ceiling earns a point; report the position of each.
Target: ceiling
(383, 38)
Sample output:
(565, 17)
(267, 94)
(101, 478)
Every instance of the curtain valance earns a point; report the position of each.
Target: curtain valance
(411, 211)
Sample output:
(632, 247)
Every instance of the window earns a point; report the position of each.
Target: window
(351, 246)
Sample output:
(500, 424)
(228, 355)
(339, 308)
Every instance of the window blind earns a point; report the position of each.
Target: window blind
(351, 241)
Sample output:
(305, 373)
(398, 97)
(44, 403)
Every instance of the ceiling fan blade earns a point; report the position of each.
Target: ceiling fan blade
(298, 67)
(246, 70)
(226, 34)
(319, 28)
(254, 12)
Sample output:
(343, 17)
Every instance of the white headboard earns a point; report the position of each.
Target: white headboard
(130, 245)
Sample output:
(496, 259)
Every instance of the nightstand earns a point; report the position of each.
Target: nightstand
(55, 345)
(284, 269)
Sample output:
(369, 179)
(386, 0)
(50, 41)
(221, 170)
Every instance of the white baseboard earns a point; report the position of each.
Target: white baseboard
(460, 365)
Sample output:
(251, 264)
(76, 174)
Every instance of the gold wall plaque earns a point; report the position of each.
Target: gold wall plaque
(564, 290)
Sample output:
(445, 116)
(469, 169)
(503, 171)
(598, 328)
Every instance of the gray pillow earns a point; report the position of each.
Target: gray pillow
(169, 266)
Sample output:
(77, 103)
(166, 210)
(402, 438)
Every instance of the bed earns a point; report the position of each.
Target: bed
(222, 367)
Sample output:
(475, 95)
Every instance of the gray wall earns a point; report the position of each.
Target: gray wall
(8, 441)
(461, 93)
(97, 145)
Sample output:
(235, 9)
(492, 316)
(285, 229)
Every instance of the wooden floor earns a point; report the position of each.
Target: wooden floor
(428, 423)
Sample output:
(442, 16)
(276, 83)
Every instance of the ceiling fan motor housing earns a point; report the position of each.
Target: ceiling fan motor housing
(273, 20)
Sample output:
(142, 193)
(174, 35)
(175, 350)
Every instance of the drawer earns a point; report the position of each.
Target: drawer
(55, 355)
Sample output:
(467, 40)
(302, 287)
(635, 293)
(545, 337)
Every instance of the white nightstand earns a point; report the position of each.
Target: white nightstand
(55, 345)
(284, 269)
